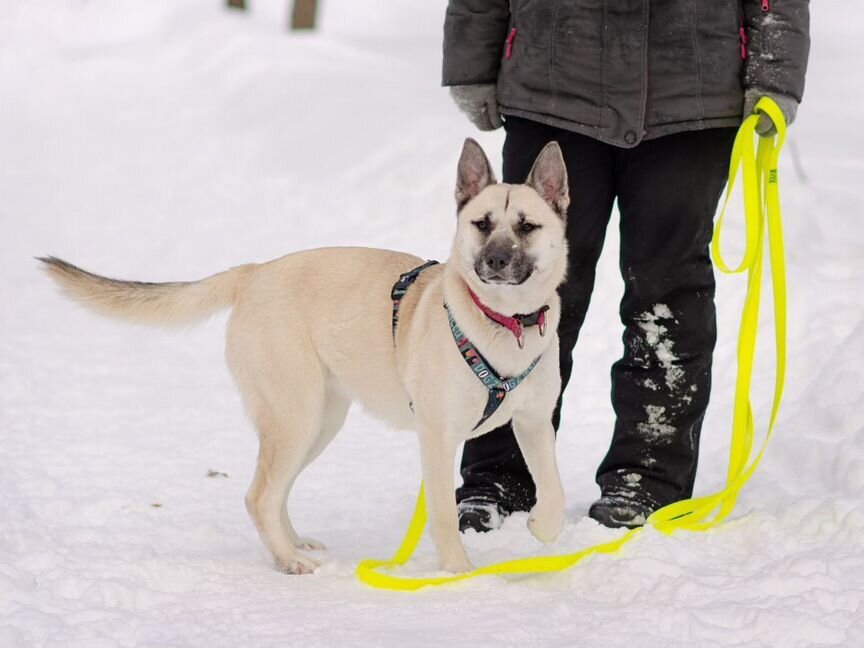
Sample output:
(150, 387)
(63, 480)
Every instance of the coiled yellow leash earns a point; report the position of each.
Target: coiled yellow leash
(762, 212)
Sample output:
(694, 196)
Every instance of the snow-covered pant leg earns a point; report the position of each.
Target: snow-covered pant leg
(668, 191)
(492, 465)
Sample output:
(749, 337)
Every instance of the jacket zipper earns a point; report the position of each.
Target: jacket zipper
(742, 35)
(508, 44)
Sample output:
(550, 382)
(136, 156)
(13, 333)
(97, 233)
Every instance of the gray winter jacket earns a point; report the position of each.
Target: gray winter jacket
(626, 70)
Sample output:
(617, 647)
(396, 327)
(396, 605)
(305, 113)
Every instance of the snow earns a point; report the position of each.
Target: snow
(172, 139)
(656, 426)
(661, 346)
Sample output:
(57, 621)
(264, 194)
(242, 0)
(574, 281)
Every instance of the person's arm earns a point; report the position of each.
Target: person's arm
(474, 35)
(778, 46)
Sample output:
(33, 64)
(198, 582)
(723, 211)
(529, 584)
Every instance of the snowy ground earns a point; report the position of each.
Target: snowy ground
(171, 139)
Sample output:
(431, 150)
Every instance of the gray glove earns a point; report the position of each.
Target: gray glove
(788, 106)
(480, 103)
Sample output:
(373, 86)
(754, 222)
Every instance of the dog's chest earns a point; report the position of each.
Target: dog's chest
(476, 404)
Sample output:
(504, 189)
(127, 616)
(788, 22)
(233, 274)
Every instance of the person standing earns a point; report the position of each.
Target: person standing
(645, 98)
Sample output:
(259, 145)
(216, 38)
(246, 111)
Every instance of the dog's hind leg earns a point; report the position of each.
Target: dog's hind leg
(335, 410)
(289, 424)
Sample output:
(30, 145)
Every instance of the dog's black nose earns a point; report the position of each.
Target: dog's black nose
(497, 260)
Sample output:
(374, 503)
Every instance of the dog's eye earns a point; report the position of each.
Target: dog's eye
(482, 225)
(527, 228)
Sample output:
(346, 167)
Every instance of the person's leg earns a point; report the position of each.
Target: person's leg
(668, 191)
(493, 470)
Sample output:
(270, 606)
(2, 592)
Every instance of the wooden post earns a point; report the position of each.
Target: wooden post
(303, 16)
(237, 4)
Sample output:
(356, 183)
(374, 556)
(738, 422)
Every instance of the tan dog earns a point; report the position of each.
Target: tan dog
(311, 331)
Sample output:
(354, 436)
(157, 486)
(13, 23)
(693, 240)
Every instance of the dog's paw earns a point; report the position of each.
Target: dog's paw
(456, 566)
(546, 524)
(310, 544)
(296, 565)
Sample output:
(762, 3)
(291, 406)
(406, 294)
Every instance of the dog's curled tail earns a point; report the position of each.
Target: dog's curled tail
(167, 304)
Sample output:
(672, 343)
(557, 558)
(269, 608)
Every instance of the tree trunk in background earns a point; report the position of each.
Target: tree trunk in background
(303, 16)
(237, 4)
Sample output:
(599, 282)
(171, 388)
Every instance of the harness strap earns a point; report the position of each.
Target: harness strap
(496, 386)
(401, 287)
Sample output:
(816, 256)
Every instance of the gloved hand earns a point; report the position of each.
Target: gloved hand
(480, 103)
(788, 106)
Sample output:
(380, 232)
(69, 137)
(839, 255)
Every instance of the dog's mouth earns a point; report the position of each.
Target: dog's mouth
(498, 279)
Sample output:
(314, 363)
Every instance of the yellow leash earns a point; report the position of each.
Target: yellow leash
(762, 212)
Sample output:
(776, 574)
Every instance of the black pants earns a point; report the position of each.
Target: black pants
(667, 191)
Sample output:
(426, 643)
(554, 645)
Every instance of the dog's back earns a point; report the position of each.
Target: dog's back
(331, 304)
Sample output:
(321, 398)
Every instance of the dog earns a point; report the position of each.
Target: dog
(315, 330)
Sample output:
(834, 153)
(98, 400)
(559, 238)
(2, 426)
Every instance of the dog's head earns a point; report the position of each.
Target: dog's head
(511, 237)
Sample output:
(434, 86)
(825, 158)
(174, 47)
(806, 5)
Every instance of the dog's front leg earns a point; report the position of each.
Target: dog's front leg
(437, 452)
(536, 438)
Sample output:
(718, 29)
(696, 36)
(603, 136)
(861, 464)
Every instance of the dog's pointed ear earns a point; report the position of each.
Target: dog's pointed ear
(548, 177)
(474, 173)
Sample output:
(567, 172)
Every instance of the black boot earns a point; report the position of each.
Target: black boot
(480, 514)
(615, 512)
(629, 497)
(496, 481)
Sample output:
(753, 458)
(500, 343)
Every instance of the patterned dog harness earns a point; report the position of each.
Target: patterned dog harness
(401, 287)
(496, 386)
